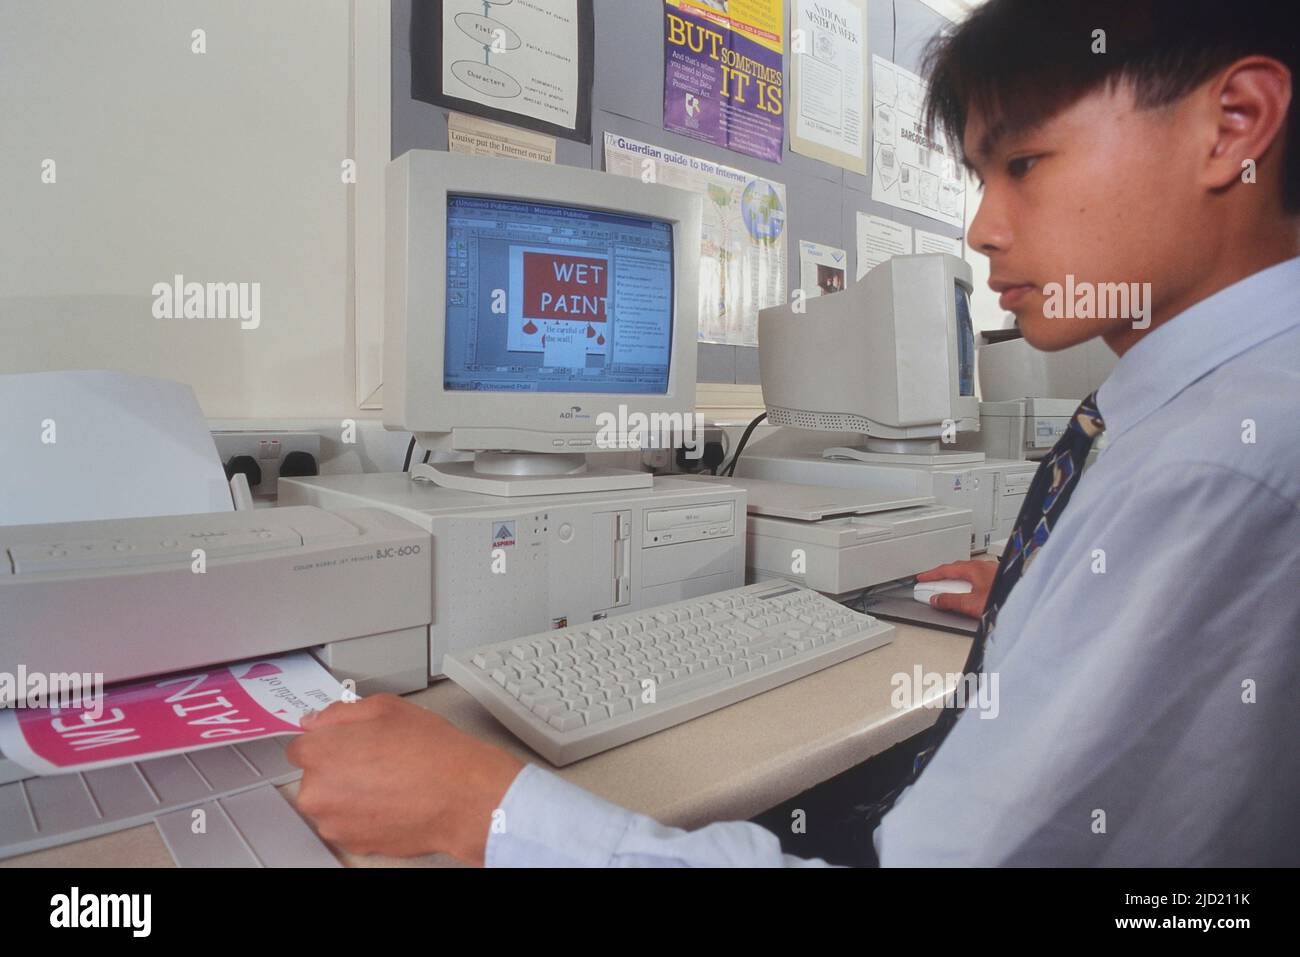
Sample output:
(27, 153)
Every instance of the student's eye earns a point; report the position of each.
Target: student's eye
(1017, 168)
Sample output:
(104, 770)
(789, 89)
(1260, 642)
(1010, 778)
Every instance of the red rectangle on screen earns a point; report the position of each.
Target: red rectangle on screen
(558, 286)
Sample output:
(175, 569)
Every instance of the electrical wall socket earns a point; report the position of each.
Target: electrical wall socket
(664, 461)
(269, 450)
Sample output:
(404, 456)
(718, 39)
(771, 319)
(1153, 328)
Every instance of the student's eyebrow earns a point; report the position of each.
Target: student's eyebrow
(984, 148)
(990, 140)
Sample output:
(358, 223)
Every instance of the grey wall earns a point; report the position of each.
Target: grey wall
(627, 98)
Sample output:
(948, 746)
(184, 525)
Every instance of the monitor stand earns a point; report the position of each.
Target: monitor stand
(512, 474)
(922, 452)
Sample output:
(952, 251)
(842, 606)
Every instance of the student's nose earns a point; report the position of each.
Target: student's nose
(990, 231)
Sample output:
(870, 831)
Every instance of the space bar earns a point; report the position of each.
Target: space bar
(691, 683)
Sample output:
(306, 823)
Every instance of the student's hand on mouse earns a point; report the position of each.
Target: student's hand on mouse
(384, 776)
(978, 573)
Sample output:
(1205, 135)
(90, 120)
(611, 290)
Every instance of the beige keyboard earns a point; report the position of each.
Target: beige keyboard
(574, 692)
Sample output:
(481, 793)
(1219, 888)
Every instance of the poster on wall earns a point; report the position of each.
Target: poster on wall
(879, 239)
(827, 81)
(743, 250)
(934, 243)
(723, 80)
(821, 269)
(476, 136)
(911, 170)
(524, 62)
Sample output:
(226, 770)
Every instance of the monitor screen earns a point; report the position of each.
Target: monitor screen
(549, 298)
(965, 344)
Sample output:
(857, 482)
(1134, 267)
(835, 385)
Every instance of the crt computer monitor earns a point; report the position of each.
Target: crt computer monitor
(525, 300)
(892, 357)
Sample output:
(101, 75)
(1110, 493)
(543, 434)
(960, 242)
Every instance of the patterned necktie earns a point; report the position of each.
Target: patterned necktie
(1048, 495)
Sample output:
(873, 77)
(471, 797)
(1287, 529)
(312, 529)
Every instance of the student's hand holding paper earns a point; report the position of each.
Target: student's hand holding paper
(976, 571)
(384, 776)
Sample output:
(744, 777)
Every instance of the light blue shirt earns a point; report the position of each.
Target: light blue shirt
(1148, 660)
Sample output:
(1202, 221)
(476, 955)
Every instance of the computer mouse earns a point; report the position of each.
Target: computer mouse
(944, 586)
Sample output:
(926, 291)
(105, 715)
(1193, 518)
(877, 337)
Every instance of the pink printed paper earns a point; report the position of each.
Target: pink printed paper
(170, 714)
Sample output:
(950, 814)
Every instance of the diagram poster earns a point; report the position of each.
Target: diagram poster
(909, 169)
(829, 53)
(743, 252)
(524, 62)
(723, 81)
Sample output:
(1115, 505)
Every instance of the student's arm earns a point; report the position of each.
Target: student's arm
(384, 776)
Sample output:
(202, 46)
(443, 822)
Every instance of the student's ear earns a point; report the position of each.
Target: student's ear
(1249, 102)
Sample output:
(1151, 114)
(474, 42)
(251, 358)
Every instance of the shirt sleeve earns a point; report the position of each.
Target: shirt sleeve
(548, 822)
(1145, 667)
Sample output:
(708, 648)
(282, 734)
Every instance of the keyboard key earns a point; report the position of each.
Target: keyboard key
(566, 720)
(531, 699)
(545, 709)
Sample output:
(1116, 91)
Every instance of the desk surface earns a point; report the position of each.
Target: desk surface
(728, 765)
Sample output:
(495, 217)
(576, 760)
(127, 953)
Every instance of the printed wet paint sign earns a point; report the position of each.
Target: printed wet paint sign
(503, 534)
(170, 715)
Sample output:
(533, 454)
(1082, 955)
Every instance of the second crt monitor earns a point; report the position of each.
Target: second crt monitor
(530, 305)
(892, 358)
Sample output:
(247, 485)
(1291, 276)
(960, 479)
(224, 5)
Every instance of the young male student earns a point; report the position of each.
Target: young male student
(1149, 652)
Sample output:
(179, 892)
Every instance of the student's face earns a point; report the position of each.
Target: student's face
(1093, 193)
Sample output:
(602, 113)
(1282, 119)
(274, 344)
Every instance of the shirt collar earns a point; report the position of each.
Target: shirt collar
(1196, 341)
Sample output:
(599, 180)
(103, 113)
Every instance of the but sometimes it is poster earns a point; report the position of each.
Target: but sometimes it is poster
(723, 81)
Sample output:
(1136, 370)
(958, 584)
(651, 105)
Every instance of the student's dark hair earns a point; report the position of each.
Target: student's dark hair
(1020, 62)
